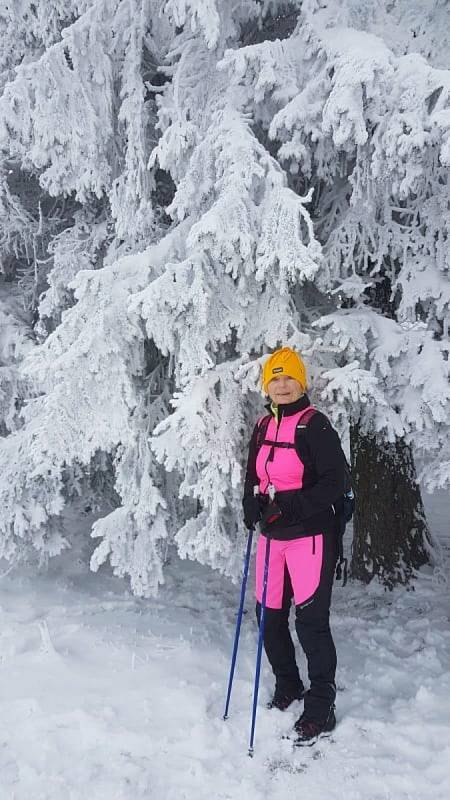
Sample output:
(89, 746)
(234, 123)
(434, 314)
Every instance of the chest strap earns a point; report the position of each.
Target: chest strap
(271, 443)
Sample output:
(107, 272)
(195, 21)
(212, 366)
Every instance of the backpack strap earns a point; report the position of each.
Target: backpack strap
(300, 440)
(305, 418)
(263, 424)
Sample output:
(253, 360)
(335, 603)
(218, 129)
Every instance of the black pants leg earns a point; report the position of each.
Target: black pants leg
(278, 643)
(313, 629)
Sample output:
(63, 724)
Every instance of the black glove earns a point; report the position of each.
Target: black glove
(252, 510)
(290, 504)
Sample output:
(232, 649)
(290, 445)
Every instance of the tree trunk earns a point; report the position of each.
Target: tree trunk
(391, 538)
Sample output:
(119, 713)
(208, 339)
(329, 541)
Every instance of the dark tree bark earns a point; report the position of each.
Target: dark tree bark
(391, 538)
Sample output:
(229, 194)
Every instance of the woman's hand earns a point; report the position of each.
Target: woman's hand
(252, 510)
(254, 506)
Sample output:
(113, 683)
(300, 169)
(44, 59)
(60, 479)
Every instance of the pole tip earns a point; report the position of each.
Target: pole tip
(250, 752)
(225, 716)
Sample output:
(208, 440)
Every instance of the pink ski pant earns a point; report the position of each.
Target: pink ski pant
(303, 559)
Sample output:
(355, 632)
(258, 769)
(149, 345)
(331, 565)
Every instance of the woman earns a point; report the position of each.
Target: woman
(300, 465)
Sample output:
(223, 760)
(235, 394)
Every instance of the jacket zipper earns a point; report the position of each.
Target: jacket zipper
(271, 454)
(313, 545)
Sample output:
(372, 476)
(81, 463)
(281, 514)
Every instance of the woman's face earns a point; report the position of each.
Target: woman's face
(284, 390)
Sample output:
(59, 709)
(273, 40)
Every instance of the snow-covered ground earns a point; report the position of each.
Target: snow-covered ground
(107, 697)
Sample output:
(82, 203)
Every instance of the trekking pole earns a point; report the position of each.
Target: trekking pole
(239, 618)
(262, 620)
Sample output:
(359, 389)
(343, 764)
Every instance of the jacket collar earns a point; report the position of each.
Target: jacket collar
(288, 409)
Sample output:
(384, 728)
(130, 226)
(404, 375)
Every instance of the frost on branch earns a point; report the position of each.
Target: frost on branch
(74, 249)
(202, 441)
(198, 14)
(15, 343)
(61, 117)
(397, 382)
(92, 381)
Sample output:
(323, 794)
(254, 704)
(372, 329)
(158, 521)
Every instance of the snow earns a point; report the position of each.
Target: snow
(111, 697)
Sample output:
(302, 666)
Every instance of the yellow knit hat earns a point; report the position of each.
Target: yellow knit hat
(284, 362)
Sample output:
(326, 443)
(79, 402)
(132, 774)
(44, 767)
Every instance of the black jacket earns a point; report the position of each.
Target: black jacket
(309, 510)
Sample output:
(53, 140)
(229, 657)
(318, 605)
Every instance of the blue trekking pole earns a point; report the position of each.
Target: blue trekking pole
(262, 620)
(239, 619)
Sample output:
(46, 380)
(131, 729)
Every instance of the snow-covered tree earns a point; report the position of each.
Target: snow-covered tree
(304, 181)
(366, 125)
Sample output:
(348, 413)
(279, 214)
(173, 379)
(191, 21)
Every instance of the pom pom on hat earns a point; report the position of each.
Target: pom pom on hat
(284, 362)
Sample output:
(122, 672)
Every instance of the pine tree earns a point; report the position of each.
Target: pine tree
(304, 185)
(367, 127)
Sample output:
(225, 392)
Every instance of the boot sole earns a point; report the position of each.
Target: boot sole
(313, 741)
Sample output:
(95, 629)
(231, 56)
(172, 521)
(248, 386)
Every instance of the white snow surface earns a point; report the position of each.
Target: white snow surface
(108, 697)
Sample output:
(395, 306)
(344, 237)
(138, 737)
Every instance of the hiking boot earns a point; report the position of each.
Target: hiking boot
(308, 730)
(282, 699)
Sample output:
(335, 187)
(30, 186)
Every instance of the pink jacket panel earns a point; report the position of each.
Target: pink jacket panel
(285, 471)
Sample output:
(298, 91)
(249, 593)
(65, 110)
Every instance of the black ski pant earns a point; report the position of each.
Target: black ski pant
(312, 623)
